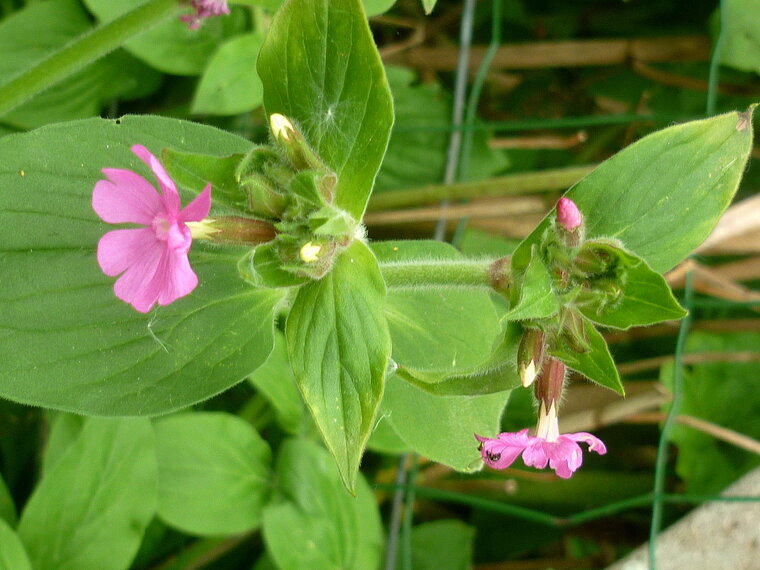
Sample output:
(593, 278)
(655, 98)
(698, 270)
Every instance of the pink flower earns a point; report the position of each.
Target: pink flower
(568, 215)
(152, 260)
(561, 452)
(204, 9)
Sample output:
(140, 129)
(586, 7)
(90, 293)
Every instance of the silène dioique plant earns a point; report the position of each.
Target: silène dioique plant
(371, 329)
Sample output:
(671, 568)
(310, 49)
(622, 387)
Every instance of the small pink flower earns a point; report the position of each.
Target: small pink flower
(568, 215)
(152, 260)
(561, 452)
(204, 9)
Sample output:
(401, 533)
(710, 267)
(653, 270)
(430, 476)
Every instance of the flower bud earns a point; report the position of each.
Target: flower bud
(233, 230)
(550, 383)
(290, 139)
(530, 355)
(569, 222)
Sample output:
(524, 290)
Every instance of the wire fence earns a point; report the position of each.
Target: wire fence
(462, 128)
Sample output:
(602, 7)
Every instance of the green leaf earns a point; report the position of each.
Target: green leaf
(647, 298)
(428, 5)
(723, 392)
(40, 29)
(66, 341)
(441, 428)
(65, 429)
(12, 553)
(339, 345)
(193, 171)
(320, 68)
(537, 299)
(91, 509)
(596, 364)
(442, 545)
(230, 84)
(436, 330)
(171, 47)
(275, 380)
(316, 524)
(662, 196)
(7, 507)
(213, 473)
(376, 7)
(741, 35)
(497, 374)
(384, 439)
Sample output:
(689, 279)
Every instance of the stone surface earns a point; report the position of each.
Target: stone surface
(716, 536)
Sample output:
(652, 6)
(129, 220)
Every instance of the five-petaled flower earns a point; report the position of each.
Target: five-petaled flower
(561, 452)
(204, 9)
(152, 259)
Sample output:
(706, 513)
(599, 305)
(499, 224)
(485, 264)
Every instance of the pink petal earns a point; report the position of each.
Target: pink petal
(168, 188)
(178, 279)
(502, 451)
(199, 208)
(565, 457)
(125, 198)
(120, 249)
(594, 443)
(536, 453)
(138, 285)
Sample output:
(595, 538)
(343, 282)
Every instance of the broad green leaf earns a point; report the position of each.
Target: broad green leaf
(339, 346)
(536, 296)
(12, 553)
(7, 507)
(91, 509)
(213, 473)
(441, 428)
(193, 171)
(275, 380)
(442, 545)
(33, 33)
(65, 429)
(315, 524)
(741, 35)
(436, 330)
(171, 47)
(230, 84)
(647, 298)
(723, 392)
(375, 7)
(66, 341)
(384, 439)
(263, 268)
(662, 196)
(497, 374)
(420, 109)
(320, 68)
(596, 364)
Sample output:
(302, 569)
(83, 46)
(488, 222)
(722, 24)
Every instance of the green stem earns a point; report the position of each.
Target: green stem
(84, 50)
(522, 183)
(476, 273)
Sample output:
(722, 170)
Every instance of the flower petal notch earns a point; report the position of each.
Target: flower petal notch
(204, 9)
(152, 259)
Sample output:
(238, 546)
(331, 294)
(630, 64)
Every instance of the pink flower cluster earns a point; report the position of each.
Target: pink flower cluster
(564, 455)
(204, 9)
(152, 260)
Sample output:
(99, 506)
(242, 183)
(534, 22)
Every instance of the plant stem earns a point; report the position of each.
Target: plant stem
(476, 273)
(82, 51)
(511, 184)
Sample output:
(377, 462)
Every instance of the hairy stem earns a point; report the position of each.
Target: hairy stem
(471, 273)
(84, 50)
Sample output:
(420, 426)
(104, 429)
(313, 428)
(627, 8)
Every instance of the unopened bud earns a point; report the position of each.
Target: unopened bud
(309, 253)
(530, 355)
(233, 230)
(550, 383)
(568, 214)
(292, 141)
(282, 128)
